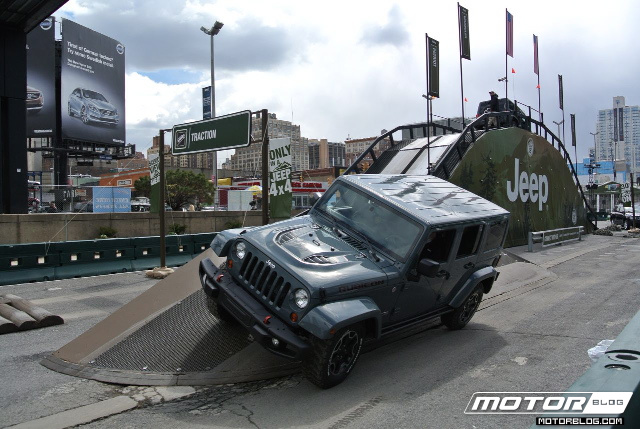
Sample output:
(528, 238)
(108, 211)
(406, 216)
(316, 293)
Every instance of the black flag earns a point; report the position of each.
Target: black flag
(433, 55)
(463, 26)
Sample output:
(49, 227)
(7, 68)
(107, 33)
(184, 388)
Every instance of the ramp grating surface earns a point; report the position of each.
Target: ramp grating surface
(185, 338)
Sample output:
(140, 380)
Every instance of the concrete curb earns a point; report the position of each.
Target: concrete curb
(81, 415)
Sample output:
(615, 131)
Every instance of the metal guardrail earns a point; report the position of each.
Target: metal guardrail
(22, 263)
(555, 236)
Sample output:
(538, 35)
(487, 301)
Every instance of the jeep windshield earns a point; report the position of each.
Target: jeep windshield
(385, 228)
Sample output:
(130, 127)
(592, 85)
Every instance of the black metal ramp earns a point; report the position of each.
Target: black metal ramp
(166, 336)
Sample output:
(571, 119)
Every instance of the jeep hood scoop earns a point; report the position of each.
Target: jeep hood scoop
(315, 253)
(319, 245)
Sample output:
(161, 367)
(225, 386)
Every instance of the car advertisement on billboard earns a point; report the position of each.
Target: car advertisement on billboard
(92, 86)
(41, 96)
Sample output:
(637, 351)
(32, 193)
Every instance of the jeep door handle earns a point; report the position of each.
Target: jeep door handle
(469, 265)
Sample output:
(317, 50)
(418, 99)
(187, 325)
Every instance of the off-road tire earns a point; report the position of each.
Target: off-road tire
(459, 318)
(320, 366)
(219, 312)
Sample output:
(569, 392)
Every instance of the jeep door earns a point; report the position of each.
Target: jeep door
(418, 294)
(463, 259)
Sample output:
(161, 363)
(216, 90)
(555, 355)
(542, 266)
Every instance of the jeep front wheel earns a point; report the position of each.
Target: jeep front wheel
(219, 312)
(331, 361)
(459, 317)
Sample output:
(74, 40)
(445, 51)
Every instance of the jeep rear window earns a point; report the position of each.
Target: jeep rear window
(470, 241)
(496, 235)
(387, 229)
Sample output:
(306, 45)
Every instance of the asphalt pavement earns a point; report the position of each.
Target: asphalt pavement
(532, 333)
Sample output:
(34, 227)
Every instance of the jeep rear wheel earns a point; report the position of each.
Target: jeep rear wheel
(219, 312)
(459, 318)
(331, 361)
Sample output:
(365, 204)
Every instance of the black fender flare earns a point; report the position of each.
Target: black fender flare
(486, 273)
(324, 320)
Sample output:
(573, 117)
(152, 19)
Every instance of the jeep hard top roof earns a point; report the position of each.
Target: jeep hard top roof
(428, 198)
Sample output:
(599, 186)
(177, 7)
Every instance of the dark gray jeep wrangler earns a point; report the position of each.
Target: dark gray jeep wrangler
(375, 254)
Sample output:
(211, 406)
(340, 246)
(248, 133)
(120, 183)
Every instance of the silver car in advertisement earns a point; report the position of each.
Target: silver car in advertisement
(91, 106)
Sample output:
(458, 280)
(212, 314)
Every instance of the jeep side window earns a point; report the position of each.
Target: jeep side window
(470, 241)
(439, 245)
(496, 235)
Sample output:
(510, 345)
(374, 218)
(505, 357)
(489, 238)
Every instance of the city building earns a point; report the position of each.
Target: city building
(325, 154)
(248, 160)
(355, 147)
(196, 162)
(617, 135)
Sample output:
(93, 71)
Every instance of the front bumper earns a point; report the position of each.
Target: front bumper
(258, 320)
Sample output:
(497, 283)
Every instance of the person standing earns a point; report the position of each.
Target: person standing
(494, 106)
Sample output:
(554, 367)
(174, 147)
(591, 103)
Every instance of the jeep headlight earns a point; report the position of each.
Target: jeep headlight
(241, 250)
(302, 298)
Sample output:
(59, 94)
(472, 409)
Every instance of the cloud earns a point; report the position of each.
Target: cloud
(167, 35)
(392, 33)
(362, 69)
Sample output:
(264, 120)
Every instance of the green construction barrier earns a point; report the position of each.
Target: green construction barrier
(21, 263)
(94, 257)
(618, 370)
(179, 251)
(202, 242)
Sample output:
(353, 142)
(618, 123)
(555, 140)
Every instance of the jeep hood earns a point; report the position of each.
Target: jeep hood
(316, 254)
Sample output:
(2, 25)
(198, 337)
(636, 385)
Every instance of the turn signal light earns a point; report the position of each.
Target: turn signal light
(293, 317)
(229, 264)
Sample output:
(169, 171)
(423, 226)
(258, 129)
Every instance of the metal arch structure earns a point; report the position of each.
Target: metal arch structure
(17, 18)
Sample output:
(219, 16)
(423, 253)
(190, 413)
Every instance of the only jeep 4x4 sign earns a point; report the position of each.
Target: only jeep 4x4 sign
(375, 254)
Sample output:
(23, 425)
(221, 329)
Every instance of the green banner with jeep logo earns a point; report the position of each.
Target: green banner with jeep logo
(222, 132)
(524, 174)
(280, 194)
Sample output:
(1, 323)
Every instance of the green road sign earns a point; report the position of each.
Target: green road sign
(223, 132)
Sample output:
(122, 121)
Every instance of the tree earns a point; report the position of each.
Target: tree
(184, 187)
(488, 182)
(142, 186)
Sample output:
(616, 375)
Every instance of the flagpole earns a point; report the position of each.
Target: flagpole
(539, 109)
(461, 81)
(506, 56)
(426, 35)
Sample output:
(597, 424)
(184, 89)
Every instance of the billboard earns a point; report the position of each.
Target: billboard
(280, 192)
(521, 172)
(109, 199)
(92, 86)
(41, 95)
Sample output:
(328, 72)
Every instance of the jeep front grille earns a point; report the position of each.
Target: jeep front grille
(264, 280)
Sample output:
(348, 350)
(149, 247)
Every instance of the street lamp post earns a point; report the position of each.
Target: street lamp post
(217, 26)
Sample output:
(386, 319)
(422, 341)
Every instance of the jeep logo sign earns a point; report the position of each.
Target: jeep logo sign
(528, 187)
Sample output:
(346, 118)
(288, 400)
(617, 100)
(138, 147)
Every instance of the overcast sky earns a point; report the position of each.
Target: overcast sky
(344, 69)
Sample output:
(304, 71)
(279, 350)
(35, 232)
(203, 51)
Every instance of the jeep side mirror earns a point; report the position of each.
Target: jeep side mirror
(428, 267)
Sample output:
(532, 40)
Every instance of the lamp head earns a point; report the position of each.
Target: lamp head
(217, 26)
